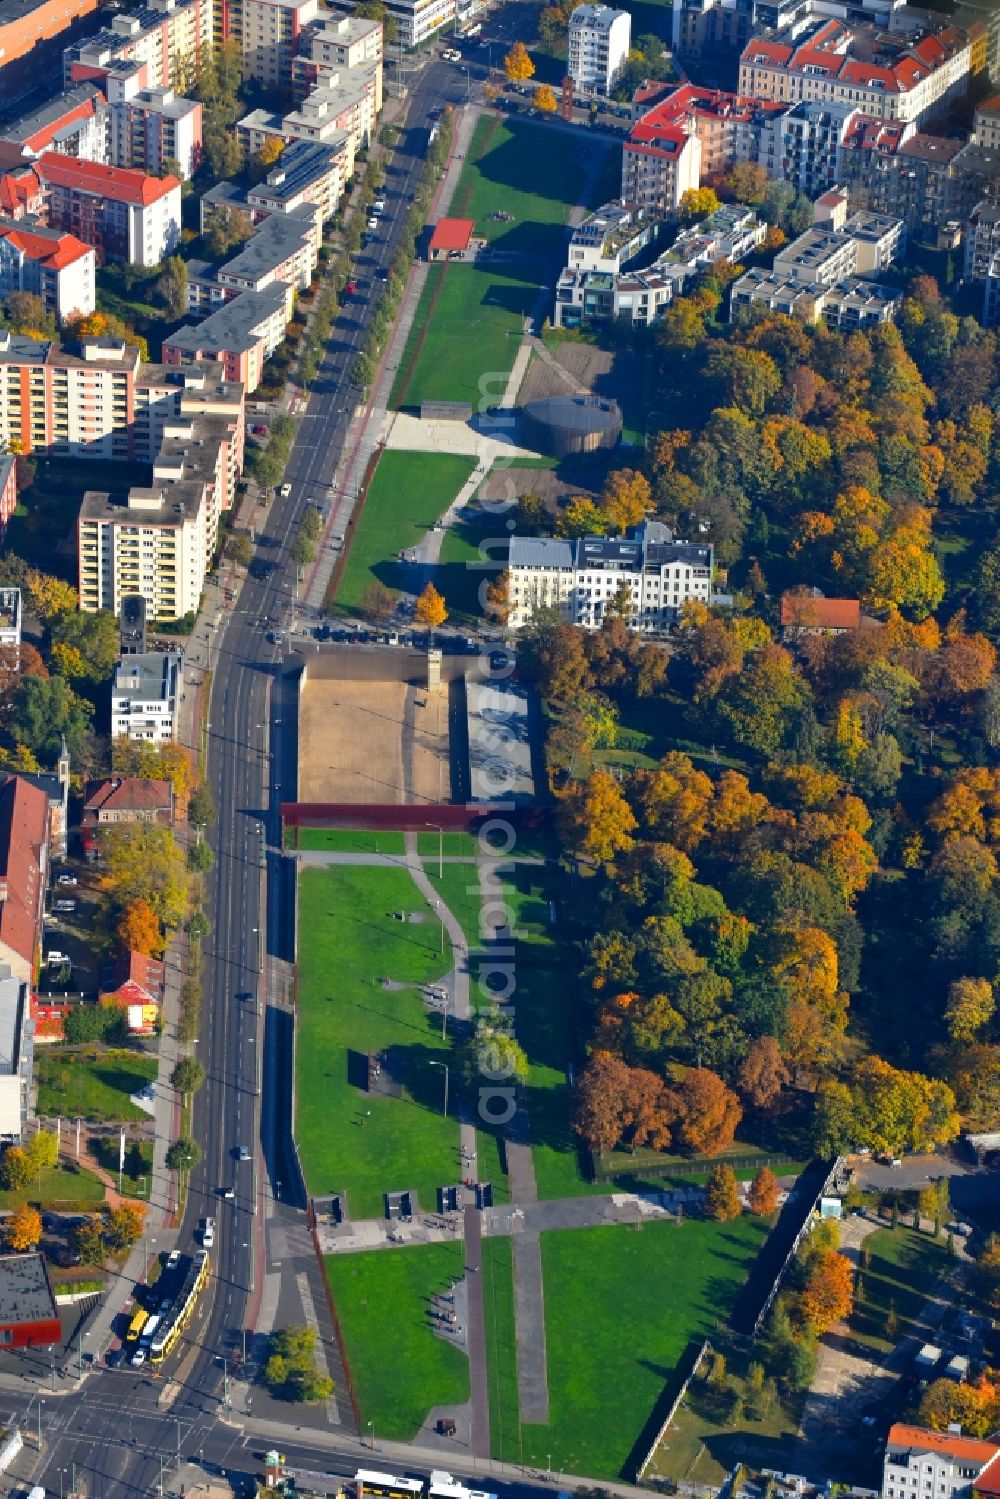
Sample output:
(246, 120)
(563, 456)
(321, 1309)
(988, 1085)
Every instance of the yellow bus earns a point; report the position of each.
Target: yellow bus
(139, 1319)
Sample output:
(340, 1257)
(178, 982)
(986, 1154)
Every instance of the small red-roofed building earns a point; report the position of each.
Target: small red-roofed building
(128, 799)
(811, 614)
(134, 983)
(125, 214)
(450, 237)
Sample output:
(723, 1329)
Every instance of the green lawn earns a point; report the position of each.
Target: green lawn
(460, 571)
(530, 843)
(350, 1140)
(620, 1308)
(409, 492)
(526, 169)
(470, 318)
(459, 887)
(501, 1345)
(467, 328)
(91, 1085)
(903, 1268)
(345, 840)
(399, 1367)
(63, 1184)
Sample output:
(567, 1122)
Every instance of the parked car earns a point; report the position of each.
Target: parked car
(373, 224)
(258, 429)
(64, 905)
(379, 205)
(208, 1232)
(66, 879)
(285, 491)
(351, 287)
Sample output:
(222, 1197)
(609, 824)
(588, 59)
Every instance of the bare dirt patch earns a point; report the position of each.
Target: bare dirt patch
(372, 741)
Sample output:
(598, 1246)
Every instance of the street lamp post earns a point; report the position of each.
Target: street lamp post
(446, 1070)
(440, 832)
(371, 1434)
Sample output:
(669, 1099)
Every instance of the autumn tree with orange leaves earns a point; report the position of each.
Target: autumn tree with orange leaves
(827, 1296)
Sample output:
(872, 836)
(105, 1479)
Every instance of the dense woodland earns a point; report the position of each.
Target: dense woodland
(799, 915)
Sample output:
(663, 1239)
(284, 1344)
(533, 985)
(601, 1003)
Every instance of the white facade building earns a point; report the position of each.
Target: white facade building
(416, 20)
(943, 1464)
(581, 579)
(599, 40)
(10, 618)
(144, 697)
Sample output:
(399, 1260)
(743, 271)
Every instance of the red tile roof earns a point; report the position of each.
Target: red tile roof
(128, 794)
(919, 1439)
(19, 191)
(988, 1482)
(24, 830)
(56, 253)
(133, 968)
(807, 612)
(761, 51)
(120, 184)
(452, 234)
(46, 135)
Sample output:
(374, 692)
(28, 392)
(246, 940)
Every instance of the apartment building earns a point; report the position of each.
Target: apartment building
(986, 128)
(74, 123)
(167, 37)
(926, 180)
(71, 403)
(416, 20)
(333, 42)
(154, 542)
(344, 104)
(880, 73)
(727, 125)
(598, 289)
(581, 579)
(801, 145)
(268, 32)
(52, 265)
(98, 401)
(822, 275)
(150, 127)
(32, 36)
(597, 48)
(126, 215)
(144, 697)
(305, 174)
(660, 161)
(159, 541)
(240, 336)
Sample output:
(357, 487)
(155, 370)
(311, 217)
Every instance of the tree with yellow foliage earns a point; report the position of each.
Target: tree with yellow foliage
(517, 65)
(581, 517)
(626, 499)
(598, 820)
(674, 800)
(817, 1006)
(139, 928)
(23, 1228)
(48, 596)
(269, 151)
(430, 609)
(544, 99)
(970, 1007)
(698, 203)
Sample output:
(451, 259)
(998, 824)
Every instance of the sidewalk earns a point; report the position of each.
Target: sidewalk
(425, 1457)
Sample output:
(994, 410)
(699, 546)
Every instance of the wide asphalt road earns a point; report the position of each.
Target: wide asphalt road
(112, 1438)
